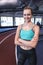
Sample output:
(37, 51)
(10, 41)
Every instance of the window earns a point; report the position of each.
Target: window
(6, 21)
(18, 21)
(32, 20)
(38, 19)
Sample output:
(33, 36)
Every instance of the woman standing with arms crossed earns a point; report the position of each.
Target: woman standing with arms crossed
(26, 38)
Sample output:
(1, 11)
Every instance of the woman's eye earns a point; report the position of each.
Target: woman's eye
(24, 14)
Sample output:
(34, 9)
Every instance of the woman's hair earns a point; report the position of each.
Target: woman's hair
(27, 7)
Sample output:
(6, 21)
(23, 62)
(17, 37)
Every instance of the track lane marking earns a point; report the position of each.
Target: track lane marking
(6, 37)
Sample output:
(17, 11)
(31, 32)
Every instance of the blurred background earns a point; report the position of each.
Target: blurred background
(10, 17)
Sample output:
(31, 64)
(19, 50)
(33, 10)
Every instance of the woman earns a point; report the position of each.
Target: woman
(26, 37)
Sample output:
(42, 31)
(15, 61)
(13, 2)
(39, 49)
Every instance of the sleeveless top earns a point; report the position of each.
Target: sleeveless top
(26, 34)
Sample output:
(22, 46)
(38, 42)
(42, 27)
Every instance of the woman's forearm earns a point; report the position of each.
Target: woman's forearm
(18, 43)
(28, 43)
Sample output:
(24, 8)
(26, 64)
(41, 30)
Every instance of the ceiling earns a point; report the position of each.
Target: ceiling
(18, 5)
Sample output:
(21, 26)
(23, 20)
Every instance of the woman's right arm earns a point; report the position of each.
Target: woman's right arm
(16, 40)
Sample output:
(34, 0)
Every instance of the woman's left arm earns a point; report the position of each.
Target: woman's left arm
(34, 41)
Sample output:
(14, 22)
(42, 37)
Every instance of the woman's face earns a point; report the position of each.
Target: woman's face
(27, 14)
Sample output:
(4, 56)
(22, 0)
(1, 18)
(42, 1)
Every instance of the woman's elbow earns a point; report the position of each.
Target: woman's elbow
(34, 44)
(15, 42)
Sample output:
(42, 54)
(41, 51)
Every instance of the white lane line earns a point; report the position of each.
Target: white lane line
(6, 37)
(16, 54)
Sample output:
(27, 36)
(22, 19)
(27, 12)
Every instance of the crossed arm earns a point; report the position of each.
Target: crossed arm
(17, 39)
(31, 43)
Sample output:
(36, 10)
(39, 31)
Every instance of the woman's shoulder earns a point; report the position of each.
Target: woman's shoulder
(35, 26)
(20, 26)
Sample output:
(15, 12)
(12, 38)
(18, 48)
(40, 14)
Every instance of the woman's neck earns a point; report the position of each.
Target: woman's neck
(28, 23)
